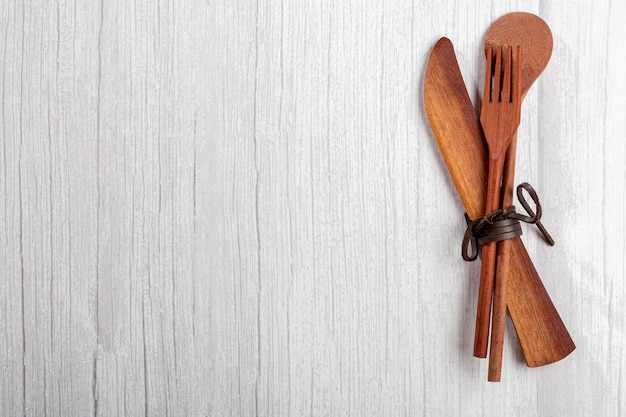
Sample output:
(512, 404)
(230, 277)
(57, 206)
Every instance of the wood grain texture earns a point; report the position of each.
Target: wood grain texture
(216, 208)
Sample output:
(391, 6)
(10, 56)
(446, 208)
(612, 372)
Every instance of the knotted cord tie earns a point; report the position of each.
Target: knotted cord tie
(502, 224)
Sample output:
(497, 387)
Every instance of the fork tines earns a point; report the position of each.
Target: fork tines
(503, 84)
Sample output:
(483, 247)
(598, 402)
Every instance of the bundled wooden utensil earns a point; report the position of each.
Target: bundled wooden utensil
(517, 48)
(499, 117)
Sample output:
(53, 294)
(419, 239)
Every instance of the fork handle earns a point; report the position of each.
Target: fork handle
(488, 263)
(503, 265)
(498, 325)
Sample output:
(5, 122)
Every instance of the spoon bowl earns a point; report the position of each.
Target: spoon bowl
(532, 34)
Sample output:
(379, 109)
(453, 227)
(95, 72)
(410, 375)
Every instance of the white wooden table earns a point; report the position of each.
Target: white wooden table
(216, 208)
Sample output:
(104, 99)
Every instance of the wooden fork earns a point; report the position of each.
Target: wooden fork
(500, 117)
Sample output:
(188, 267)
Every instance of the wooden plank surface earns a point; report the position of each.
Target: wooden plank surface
(214, 208)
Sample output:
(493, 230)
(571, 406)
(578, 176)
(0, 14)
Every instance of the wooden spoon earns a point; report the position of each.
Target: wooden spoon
(454, 122)
(534, 36)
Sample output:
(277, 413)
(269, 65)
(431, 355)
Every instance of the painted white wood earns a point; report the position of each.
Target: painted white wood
(215, 208)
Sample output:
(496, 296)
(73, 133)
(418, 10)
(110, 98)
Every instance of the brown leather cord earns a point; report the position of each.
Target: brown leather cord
(502, 224)
(532, 218)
